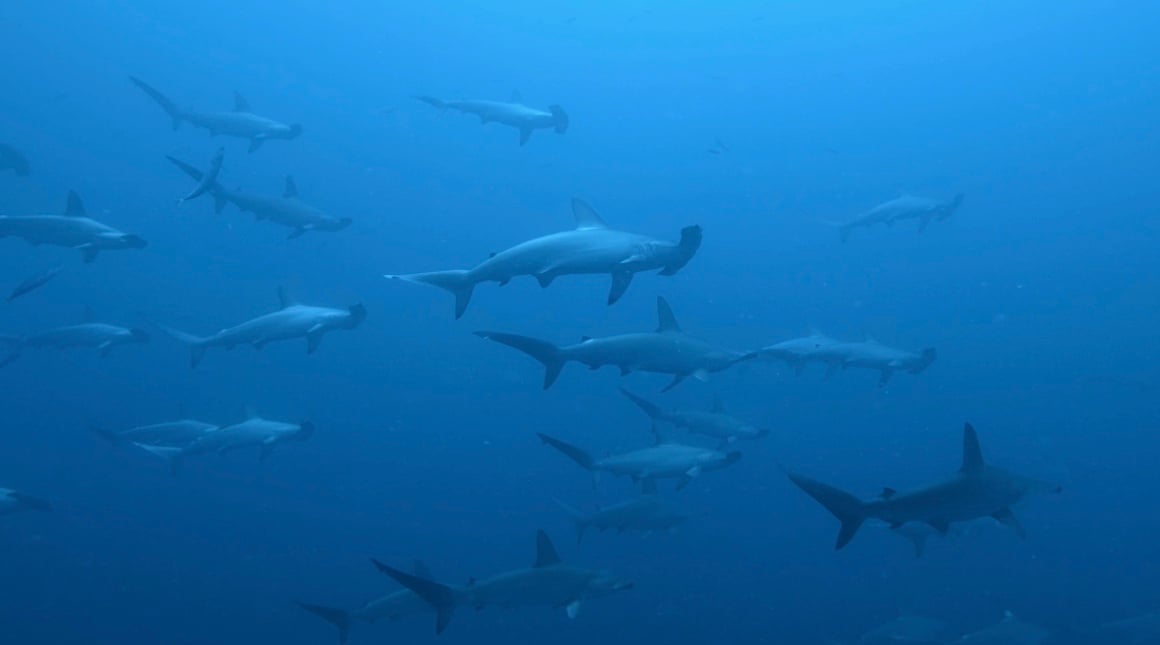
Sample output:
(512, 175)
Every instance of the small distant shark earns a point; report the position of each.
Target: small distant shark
(907, 630)
(241, 123)
(1009, 631)
(548, 582)
(73, 229)
(287, 210)
(254, 432)
(717, 423)
(871, 354)
(293, 320)
(514, 114)
(100, 336)
(977, 490)
(590, 249)
(12, 501)
(798, 352)
(901, 208)
(14, 160)
(32, 283)
(668, 350)
(393, 606)
(645, 513)
(663, 460)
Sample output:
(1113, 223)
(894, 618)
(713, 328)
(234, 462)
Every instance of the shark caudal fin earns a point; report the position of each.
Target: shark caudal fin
(849, 510)
(577, 455)
(441, 597)
(340, 618)
(577, 519)
(560, 120)
(686, 249)
(432, 101)
(541, 350)
(170, 107)
(651, 409)
(196, 343)
(457, 281)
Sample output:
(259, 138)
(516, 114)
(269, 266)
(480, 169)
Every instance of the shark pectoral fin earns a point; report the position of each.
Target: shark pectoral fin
(701, 375)
(620, 282)
(573, 609)
(267, 449)
(884, 378)
(683, 481)
(255, 143)
(545, 279)
(832, 369)
(625, 370)
(104, 348)
(298, 232)
(314, 338)
(677, 380)
(940, 525)
(88, 252)
(1005, 517)
(924, 222)
(693, 472)
(525, 134)
(503, 283)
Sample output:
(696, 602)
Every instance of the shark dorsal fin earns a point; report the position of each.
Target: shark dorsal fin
(718, 405)
(291, 191)
(586, 216)
(516, 97)
(421, 570)
(972, 453)
(888, 493)
(546, 554)
(648, 486)
(666, 321)
(240, 103)
(75, 207)
(284, 298)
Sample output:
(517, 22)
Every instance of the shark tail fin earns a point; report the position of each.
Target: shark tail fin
(441, 597)
(457, 281)
(337, 617)
(196, 343)
(687, 247)
(575, 454)
(928, 356)
(169, 106)
(651, 409)
(560, 119)
(849, 510)
(577, 519)
(541, 350)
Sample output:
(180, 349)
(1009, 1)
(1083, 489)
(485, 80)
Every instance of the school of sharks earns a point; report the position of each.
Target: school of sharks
(683, 446)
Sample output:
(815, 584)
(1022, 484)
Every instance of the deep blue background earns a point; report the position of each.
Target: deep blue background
(1040, 295)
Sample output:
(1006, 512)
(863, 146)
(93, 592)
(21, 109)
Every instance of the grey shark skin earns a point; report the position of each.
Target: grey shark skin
(254, 432)
(548, 582)
(871, 354)
(12, 501)
(668, 350)
(798, 352)
(393, 606)
(521, 117)
(977, 490)
(291, 321)
(645, 513)
(901, 208)
(590, 249)
(72, 229)
(664, 460)
(287, 210)
(35, 282)
(1009, 631)
(100, 336)
(14, 160)
(241, 122)
(716, 423)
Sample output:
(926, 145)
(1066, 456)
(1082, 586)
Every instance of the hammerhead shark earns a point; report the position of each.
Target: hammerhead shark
(977, 490)
(514, 114)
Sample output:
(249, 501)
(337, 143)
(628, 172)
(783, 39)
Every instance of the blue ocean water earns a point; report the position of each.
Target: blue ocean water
(762, 122)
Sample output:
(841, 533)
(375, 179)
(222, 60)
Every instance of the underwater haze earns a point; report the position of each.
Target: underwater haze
(949, 208)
